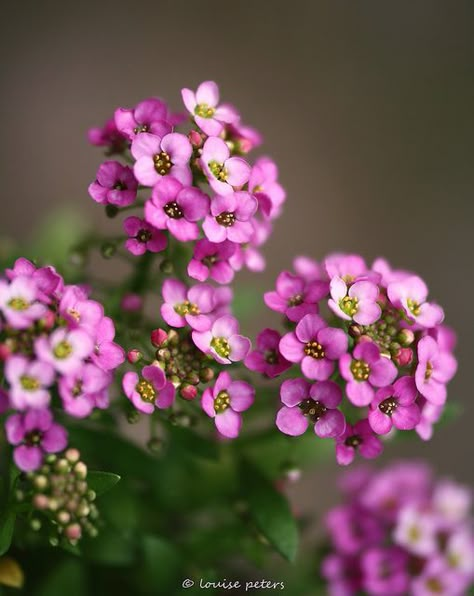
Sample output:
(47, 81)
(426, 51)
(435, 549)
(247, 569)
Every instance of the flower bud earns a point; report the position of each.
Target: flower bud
(166, 267)
(80, 470)
(73, 532)
(5, 351)
(155, 445)
(406, 337)
(188, 392)
(404, 357)
(108, 249)
(72, 455)
(206, 375)
(355, 330)
(195, 139)
(40, 502)
(35, 524)
(134, 356)
(131, 303)
(158, 337)
(63, 517)
(40, 482)
(111, 211)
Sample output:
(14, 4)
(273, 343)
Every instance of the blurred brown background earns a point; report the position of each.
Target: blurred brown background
(367, 108)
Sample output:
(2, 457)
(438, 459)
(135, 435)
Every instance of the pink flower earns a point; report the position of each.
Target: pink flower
(65, 350)
(115, 184)
(108, 136)
(395, 405)
(294, 297)
(162, 156)
(150, 115)
(82, 391)
(223, 172)
(364, 370)
(263, 184)
(225, 401)
(176, 208)
(315, 345)
(248, 254)
(107, 354)
(308, 269)
(359, 437)
(410, 293)
(143, 237)
(430, 414)
(244, 138)
(416, 531)
(79, 311)
(33, 434)
(315, 404)
(267, 358)
(385, 571)
(29, 382)
(18, 302)
(230, 218)
(358, 302)
(348, 267)
(48, 282)
(435, 369)
(148, 391)
(211, 259)
(223, 341)
(204, 106)
(183, 306)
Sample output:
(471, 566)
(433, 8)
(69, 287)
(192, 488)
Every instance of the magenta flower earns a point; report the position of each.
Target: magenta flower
(107, 354)
(315, 345)
(385, 571)
(176, 208)
(183, 306)
(108, 136)
(223, 172)
(204, 107)
(430, 414)
(115, 184)
(359, 437)
(308, 269)
(225, 401)
(223, 341)
(294, 297)
(143, 237)
(162, 156)
(79, 311)
(245, 138)
(29, 381)
(267, 359)
(230, 218)
(248, 254)
(350, 531)
(358, 302)
(263, 183)
(48, 282)
(33, 434)
(18, 302)
(410, 293)
(437, 579)
(452, 501)
(149, 115)
(84, 390)
(212, 260)
(364, 370)
(395, 405)
(65, 350)
(148, 391)
(315, 404)
(435, 369)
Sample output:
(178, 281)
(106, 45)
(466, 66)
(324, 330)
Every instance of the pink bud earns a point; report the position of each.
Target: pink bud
(188, 392)
(73, 532)
(134, 356)
(195, 138)
(131, 303)
(48, 320)
(404, 356)
(5, 351)
(158, 337)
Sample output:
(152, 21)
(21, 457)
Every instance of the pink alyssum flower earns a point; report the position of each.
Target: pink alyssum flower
(149, 115)
(203, 105)
(183, 306)
(225, 173)
(115, 184)
(294, 297)
(211, 260)
(149, 390)
(230, 218)
(223, 340)
(143, 237)
(267, 358)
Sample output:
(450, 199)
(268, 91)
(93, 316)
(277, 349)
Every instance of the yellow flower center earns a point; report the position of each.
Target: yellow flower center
(186, 308)
(221, 346)
(29, 383)
(360, 370)
(162, 162)
(204, 111)
(315, 350)
(222, 402)
(218, 171)
(18, 303)
(146, 390)
(414, 307)
(62, 350)
(226, 219)
(349, 305)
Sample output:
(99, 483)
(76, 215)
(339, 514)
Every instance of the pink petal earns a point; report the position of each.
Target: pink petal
(241, 395)
(291, 421)
(331, 424)
(228, 423)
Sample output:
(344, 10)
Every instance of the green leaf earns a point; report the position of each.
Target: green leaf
(100, 482)
(66, 577)
(192, 444)
(110, 547)
(270, 511)
(7, 524)
(161, 563)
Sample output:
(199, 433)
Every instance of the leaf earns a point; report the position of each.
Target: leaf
(110, 547)
(11, 574)
(7, 524)
(270, 511)
(161, 564)
(192, 444)
(66, 577)
(101, 482)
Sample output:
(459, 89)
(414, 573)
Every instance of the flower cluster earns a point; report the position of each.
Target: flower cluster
(60, 495)
(197, 184)
(57, 350)
(366, 351)
(400, 532)
(202, 337)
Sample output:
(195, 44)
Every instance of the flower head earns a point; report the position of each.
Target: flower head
(203, 105)
(223, 341)
(143, 237)
(225, 173)
(267, 358)
(148, 391)
(115, 184)
(230, 218)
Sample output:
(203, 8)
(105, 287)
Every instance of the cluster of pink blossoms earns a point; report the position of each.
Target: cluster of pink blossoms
(400, 532)
(197, 184)
(365, 344)
(56, 351)
(202, 338)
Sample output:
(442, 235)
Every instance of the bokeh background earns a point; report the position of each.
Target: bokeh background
(367, 107)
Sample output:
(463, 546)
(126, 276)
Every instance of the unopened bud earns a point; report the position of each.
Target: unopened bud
(158, 337)
(63, 517)
(62, 466)
(188, 392)
(134, 356)
(35, 524)
(206, 374)
(5, 351)
(72, 455)
(355, 331)
(195, 138)
(40, 502)
(108, 249)
(155, 445)
(40, 482)
(166, 267)
(111, 211)
(131, 303)
(80, 470)
(406, 337)
(73, 532)
(404, 357)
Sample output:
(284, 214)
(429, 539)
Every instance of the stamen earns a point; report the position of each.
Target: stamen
(353, 441)
(218, 171)
(312, 409)
(146, 390)
(162, 163)
(187, 308)
(414, 307)
(18, 303)
(226, 219)
(295, 300)
(29, 383)
(173, 210)
(204, 110)
(143, 236)
(62, 349)
(221, 346)
(222, 402)
(314, 349)
(388, 406)
(360, 370)
(349, 305)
